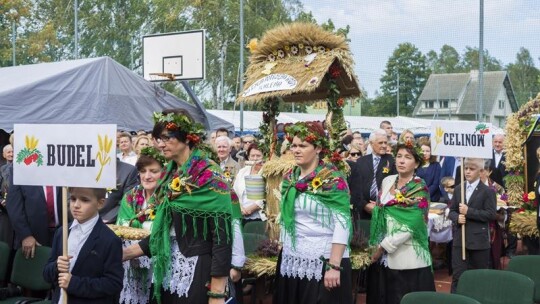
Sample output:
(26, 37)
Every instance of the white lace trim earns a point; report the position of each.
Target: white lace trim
(179, 279)
(304, 261)
(136, 291)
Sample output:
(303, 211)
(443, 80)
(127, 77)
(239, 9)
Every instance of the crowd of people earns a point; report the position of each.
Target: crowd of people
(190, 193)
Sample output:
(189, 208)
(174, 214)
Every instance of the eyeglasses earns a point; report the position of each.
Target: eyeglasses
(164, 138)
(355, 154)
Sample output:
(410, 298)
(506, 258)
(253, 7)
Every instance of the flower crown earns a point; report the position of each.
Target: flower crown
(304, 131)
(178, 122)
(155, 154)
(409, 144)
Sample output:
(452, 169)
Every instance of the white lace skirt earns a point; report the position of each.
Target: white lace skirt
(303, 261)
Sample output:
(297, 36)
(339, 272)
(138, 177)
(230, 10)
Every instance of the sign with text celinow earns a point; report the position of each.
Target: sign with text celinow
(461, 139)
(65, 155)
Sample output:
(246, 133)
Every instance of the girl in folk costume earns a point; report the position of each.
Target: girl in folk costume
(191, 237)
(399, 231)
(314, 265)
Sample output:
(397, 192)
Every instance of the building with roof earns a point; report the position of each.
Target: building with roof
(454, 97)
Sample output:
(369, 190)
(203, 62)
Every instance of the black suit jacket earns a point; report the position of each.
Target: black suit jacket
(482, 210)
(27, 210)
(98, 272)
(127, 177)
(498, 172)
(360, 181)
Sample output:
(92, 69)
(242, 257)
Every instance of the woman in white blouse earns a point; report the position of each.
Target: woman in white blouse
(399, 231)
(252, 210)
(314, 265)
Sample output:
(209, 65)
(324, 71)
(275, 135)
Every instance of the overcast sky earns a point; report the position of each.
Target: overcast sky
(378, 26)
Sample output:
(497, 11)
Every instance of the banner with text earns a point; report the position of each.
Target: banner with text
(65, 155)
(461, 139)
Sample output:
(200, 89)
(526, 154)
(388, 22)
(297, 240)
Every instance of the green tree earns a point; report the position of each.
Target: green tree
(470, 61)
(524, 76)
(409, 65)
(447, 61)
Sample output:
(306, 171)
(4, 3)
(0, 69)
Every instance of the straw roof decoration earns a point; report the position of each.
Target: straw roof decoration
(291, 62)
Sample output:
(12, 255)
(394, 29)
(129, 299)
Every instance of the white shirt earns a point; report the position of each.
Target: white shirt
(238, 252)
(239, 187)
(131, 158)
(470, 189)
(78, 235)
(498, 156)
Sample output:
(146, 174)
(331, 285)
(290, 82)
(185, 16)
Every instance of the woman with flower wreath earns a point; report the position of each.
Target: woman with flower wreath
(314, 264)
(137, 205)
(190, 242)
(399, 231)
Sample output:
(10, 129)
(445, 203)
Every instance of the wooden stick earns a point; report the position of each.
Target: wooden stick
(462, 201)
(64, 233)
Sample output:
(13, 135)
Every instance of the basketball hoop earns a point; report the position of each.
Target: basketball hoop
(161, 76)
(158, 77)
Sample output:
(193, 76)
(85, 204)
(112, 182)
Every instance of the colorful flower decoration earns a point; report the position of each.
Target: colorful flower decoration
(155, 154)
(175, 185)
(174, 122)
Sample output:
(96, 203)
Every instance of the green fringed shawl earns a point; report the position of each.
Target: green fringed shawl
(209, 200)
(129, 208)
(332, 192)
(407, 218)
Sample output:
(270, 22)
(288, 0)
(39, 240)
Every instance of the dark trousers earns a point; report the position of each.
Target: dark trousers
(474, 259)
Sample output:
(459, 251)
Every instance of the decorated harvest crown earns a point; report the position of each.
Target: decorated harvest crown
(178, 122)
(155, 154)
(309, 132)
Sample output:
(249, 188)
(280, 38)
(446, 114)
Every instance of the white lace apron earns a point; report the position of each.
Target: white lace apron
(304, 261)
(136, 289)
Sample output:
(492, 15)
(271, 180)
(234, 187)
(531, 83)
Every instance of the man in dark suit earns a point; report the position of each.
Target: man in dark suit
(127, 177)
(476, 212)
(370, 171)
(33, 215)
(498, 169)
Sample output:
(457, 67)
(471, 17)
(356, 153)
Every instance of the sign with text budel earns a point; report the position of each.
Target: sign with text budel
(65, 155)
(461, 139)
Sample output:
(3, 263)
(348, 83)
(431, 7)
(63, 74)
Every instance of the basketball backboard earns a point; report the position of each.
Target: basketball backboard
(174, 56)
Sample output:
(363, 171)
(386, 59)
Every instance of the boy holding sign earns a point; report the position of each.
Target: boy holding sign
(478, 209)
(92, 272)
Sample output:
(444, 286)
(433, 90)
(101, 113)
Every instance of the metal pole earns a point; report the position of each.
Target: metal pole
(221, 85)
(241, 86)
(397, 96)
(481, 65)
(75, 9)
(13, 42)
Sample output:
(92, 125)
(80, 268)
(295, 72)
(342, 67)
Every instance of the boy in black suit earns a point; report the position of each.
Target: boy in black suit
(475, 213)
(92, 272)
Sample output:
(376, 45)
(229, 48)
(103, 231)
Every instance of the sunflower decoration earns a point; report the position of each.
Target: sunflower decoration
(152, 214)
(179, 185)
(399, 197)
(316, 183)
(227, 174)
